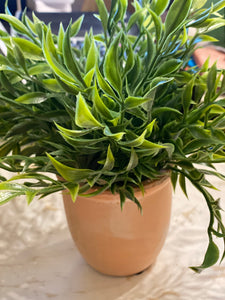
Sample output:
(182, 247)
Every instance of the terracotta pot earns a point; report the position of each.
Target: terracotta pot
(116, 242)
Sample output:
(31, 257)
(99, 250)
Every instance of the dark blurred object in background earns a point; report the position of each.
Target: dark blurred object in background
(12, 5)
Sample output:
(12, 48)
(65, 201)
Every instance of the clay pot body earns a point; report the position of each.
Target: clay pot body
(116, 242)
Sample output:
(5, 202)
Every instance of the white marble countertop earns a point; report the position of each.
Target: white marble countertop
(39, 261)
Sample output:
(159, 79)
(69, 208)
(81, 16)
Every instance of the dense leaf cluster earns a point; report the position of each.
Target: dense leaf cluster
(120, 110)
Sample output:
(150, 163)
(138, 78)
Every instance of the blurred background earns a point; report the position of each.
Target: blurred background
(71, 6)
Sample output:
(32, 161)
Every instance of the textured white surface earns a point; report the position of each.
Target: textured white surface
(38, 260)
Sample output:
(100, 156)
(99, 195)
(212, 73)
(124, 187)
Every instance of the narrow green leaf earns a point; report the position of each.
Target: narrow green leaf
(73, 133)
(138, 141)
(20, 57)
(153, 146)
(111, 65)
(174, 177)
(6, 148)
(83, 116)
(205, 66)
(187, 96)
(158, 25)
(92, 57)
(96, 191)
(129, 193)
(103, 15)
(87, 42)
(100, 106)
(160, 110)
(197, 4)
(30, 196)
(29, 49)
(55, 65)
(150, 127)
(211, 257)
(159, 6)
(131, 102)
(194, 145)
(117, 12)
(6, 83)
(207, 38)
(110, 160)
(185, 36)
(36, 19)
(103, 84)
(7, 196)
(16, 23)
(134, 75)
(39, 68)
(8, 186)
(3, 34)
(197, 114)
(4, 63)
(168, 67)
(122, 198)
(129, 61)
(170, 148)
(133, 162)
(141, 142)
(81, 142)
(176, 15)
(29, 24)
(182, 183)
(211, 80)
(199, 132)
(219, 5)
(210, 25)
(32, 98)
(51, 45)
(69, 59)
(41, 29)
(200, 18)
(123, 4)
(33, 175)
(75, 27)
(136, 18)
(88, 77)
(52, 85)
(155, 83)
(68, 86)
(74, 190)
(71, 174)
(117, 136)
(151, 49)
(60, 37)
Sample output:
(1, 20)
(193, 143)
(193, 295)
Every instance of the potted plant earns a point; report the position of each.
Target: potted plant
(119, 114)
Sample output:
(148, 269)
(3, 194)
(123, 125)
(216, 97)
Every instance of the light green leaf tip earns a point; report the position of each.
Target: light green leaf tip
(83, 117)
(110, 160)
(71, 174)
(73, 189)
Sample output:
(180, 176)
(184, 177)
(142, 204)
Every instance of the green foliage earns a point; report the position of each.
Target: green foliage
(121, 109)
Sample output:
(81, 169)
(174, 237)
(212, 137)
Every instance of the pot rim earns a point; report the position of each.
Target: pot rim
(107, 195)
